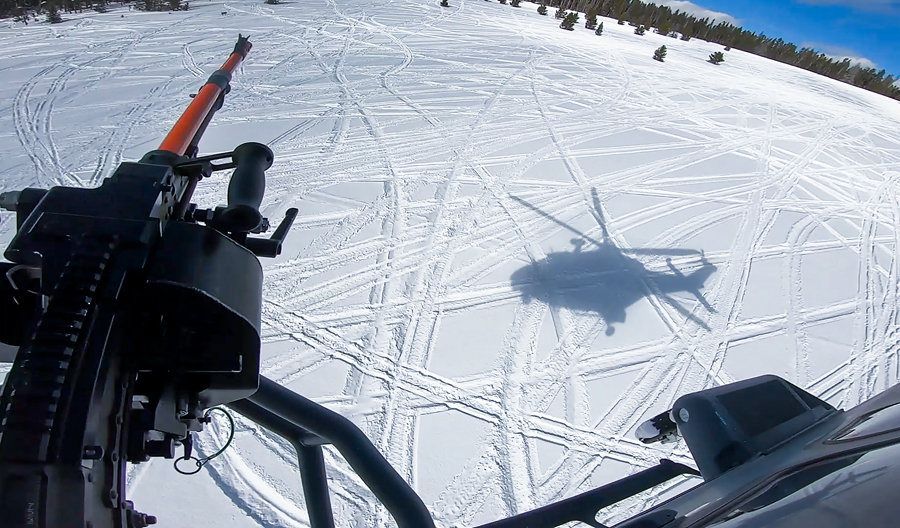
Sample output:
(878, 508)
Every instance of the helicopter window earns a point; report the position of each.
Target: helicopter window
(854, 490)
(880, 421)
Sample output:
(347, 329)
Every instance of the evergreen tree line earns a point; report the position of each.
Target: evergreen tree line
(669, 22)
(51, 10)
(635, 12)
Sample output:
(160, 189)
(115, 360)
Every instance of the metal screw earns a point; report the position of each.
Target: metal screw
(113, 495)
(114, 456)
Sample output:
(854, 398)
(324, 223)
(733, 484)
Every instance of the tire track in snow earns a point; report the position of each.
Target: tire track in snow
(187, 60)
(469, 211)
(23, 124)
(34, 127)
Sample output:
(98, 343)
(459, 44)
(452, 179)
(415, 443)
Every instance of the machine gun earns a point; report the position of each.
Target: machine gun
(134, 313)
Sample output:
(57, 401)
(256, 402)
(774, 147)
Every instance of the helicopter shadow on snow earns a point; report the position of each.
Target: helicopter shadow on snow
(601, 277)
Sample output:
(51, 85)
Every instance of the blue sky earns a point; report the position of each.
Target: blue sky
(868, 29)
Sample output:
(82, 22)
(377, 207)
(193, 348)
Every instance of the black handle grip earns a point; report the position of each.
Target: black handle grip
(248, 184)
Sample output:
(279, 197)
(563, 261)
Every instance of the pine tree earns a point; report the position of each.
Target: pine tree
(22, 16)
(444, 3)
(664, 27)
(569, 22)
(639, 30)
(53, 15)
(542, 10)
(561, 13)
(716, 57)
(620, 10)
(515, 3)
(599, 30)
(502, 1)
(660, 54)
(687, 29)
(590, 21)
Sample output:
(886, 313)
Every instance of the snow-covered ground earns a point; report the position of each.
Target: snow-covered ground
(515, 243)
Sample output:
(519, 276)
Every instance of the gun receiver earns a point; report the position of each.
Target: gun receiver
(133, 311)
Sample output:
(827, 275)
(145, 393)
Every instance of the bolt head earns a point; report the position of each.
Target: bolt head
(92, 453)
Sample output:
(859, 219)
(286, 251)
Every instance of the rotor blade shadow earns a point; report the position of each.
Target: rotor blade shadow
(608, 280)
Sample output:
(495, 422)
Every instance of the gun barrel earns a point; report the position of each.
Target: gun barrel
(179, 138)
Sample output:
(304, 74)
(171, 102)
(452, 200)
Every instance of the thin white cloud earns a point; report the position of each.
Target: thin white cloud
(699, 12)
(839, 53)
(862, 61)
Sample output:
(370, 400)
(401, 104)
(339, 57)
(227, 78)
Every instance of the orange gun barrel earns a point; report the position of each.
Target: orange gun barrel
(179, 138)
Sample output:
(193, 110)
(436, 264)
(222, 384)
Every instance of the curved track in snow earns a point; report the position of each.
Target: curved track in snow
(514, 243)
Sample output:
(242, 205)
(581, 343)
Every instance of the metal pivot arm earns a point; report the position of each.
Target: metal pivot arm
(285, 225)
(245, 190)
(301, 416)
(271, 247)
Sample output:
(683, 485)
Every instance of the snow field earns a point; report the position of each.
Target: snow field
(515, 243)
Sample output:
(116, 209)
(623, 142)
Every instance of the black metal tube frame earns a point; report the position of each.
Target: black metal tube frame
(307, 426)
(310, 457)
